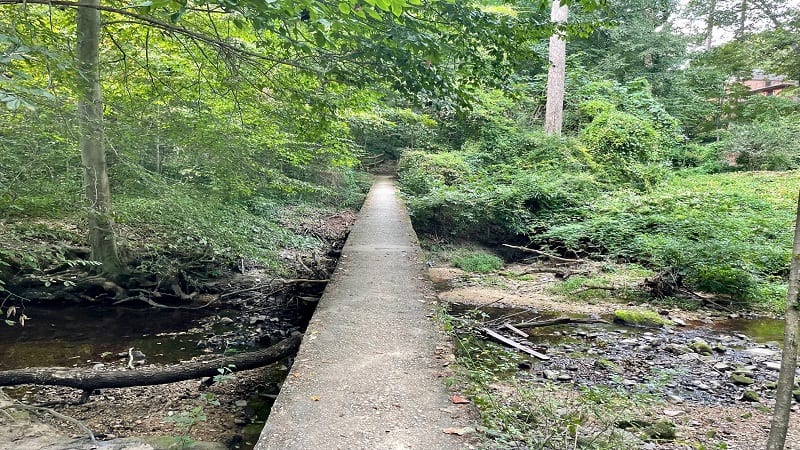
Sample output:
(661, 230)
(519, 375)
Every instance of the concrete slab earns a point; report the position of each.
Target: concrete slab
(365, 375)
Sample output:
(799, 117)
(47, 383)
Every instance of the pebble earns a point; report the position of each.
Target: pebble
(772, 365)
(240, 403)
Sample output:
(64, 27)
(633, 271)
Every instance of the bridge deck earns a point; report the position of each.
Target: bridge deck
(366, 376)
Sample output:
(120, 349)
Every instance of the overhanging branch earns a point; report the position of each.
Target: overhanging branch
(168, 27)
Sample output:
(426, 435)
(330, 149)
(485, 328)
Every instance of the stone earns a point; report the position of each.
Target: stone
(678, 322)
(663, 430)
(226, 321)
(741, 380)
(700, 346)
(564, 377)
(240, 403)
(677, 349)
(550, 374)
(750, 395)
(761, 351)
(772, 365)
(721, 366)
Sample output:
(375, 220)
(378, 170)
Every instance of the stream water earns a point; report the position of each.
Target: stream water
(79, 335)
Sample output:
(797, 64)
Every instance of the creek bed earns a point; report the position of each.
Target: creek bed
(663, 361)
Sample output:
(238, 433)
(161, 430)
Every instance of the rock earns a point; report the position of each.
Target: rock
(550, 374)
(677, 399)
(772, 365)
(663, 430)
(700, 346)
(750, 395)
(678, 322)
(796, 395)
(672, 412)
(226, 321)
(608, 365)
(240, 403)
(761, 351)
(677, 349)
(721, 366)
(771, 385)
(741, 380)
(564, 377)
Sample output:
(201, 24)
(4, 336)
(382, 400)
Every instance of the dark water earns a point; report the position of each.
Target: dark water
(81, 335)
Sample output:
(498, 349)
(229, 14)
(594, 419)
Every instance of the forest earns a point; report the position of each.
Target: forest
(152, 151)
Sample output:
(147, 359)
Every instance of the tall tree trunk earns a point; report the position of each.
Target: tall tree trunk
(783, 395)
(554, 110)
(711, 22)
(740, 29)
(92, 139)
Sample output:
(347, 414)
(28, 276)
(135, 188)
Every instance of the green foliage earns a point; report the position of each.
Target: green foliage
(388, 131)
(477, 262)
(718, 233)
(766, 144)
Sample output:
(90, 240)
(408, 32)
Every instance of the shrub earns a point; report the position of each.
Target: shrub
(769, 145)
(718, 233)
(478, 262)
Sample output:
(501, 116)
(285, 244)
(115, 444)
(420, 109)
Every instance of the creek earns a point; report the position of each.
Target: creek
(712, 362)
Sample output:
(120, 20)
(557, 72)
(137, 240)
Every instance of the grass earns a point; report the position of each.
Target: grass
(476, 261)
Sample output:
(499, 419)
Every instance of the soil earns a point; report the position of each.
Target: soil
(229, 413)
(703, 403)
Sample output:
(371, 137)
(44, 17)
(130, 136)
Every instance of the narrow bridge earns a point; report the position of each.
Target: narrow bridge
(366, 376)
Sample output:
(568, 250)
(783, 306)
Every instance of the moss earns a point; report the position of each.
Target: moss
(750, 396)
(741, 380)
(640, 317)
(662, 430)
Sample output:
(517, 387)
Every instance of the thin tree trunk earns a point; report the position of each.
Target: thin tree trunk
(92, 139)
(783, 395)
(554, 110)
(710, 22)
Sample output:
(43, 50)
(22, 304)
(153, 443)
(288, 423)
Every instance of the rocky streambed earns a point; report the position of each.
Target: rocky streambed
(706, 363)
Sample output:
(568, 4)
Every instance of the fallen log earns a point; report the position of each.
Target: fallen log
(559, 321)
(89, 380)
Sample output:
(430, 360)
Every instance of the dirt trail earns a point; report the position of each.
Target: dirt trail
(366, 375)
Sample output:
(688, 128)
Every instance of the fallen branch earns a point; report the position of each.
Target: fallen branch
(541, 253)
(57, 414)
(524, 348)
(89, 380)
(559, 321)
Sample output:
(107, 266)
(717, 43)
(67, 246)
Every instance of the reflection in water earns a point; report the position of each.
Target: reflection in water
(74, 335)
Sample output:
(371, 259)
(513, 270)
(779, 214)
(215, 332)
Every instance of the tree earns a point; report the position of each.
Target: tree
(791, 332)
(92, 140)
(554, 109)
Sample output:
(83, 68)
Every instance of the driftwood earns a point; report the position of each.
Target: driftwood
(524, 348)
(515, 330)
(89, 380)
(554, 258)
(559, 321)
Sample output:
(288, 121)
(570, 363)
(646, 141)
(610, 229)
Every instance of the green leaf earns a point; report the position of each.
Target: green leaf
(345, 8)
(10, 323)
